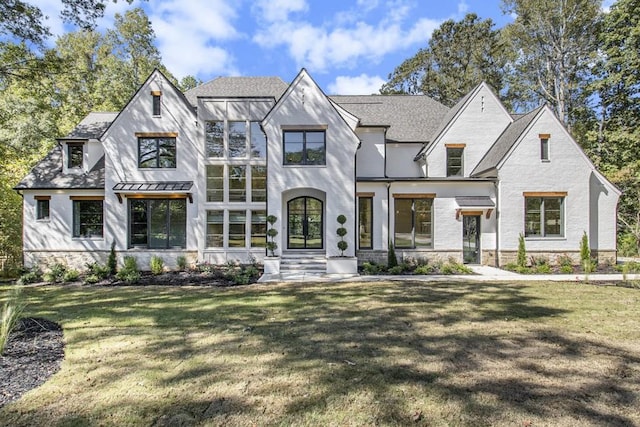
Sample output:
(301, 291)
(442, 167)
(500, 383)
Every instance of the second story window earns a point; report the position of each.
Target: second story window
(455, 156)
(75, 154)
(156, 102)
(156, 152)
(544, 147)
(214, 134)
(304, 148)
(258, 141)
(237, 139)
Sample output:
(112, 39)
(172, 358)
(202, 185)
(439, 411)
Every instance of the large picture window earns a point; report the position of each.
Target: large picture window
(304, 148)
(413, 223)
(544, 217)
(88, 218)
(214, 136)
(365, 219)
(238, 183)
(157, 152)
(215, 229)
(158, 223)
(258, 229)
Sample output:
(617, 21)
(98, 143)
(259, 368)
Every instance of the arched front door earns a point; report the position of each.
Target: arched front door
(304, 223)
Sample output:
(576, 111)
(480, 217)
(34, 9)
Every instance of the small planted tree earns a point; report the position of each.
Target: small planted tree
(392, 260)
(585, 254)
(272, 233)
(522, 253)
(112, 261)
(341, 231)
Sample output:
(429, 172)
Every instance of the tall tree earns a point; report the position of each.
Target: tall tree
(459, 55)
(556, 43)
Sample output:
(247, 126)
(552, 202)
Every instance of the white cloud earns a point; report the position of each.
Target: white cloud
(358, 85)
(606, 5)
(186, 34)
(278, 10)
(319, 47)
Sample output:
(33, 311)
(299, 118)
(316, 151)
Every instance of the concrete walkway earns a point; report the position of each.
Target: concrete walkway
(483, 273)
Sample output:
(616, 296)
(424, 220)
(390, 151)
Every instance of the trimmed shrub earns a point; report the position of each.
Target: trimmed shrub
(32, 276)
(156, 264)
(522, 252)
(392, 259)
(112, 261)
(129, 273)
(181, 262)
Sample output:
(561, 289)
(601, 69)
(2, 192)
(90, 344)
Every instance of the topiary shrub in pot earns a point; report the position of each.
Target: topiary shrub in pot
(272, 233)
(341, 231)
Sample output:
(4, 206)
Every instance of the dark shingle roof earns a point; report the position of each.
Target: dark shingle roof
(92, 126)
(410, 118)
(504, 143)
(237, 87)
(475, 202)
(48, 175)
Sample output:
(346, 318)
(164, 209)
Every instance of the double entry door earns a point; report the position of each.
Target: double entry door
(304, 223)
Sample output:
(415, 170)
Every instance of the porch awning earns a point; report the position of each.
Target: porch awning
(480, 202)
(154, 188)
(474, 205)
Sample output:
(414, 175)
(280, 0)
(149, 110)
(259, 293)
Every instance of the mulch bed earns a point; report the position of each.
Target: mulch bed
(34, 353)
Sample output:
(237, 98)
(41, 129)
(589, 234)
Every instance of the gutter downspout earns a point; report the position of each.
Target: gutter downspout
(496, 186)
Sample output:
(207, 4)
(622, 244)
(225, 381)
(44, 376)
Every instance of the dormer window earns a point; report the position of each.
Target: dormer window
(544, 146)
(157, 102)
(455, 159)
(75, 155)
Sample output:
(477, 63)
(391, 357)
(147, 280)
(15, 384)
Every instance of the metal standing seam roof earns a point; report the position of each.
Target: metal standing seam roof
(238, 87)
(475, 202)
(154, 186)
(409, 118)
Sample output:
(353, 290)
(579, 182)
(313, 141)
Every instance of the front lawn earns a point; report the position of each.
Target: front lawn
(382, 353)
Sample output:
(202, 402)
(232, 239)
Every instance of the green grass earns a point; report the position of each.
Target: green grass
(379, 353)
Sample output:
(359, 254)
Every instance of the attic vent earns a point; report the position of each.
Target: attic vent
(482, 103)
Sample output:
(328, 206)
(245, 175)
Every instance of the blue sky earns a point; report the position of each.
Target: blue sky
(348, 46)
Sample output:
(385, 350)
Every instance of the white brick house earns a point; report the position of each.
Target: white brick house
(196, 174)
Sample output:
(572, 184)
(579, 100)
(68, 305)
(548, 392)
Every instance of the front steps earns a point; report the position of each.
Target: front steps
(303, 262)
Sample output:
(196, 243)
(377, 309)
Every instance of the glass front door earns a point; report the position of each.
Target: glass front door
(304, 220)
(471, 239)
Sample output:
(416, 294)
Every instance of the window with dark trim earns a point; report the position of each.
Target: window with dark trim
(413, 223)
(304, 147)
(544, 147)
(75, 154)
(42, 208)
(157, 102)
(365, 219)
(455, 161)
(158, 223)
(88, 218)
(544, 217)
(156, 152)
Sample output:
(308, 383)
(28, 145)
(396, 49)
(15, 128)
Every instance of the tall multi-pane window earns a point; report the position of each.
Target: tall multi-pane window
(544, 217)
(258, 183)
(237, 228)
(455, 161)
(157, 152)
(413, 223)
(258, 228)
(238, 183)
(215, 183)
(158, 223)
(258, 141)
(237, 139)
(75, 154)
(304, 148)
(214, 137)
(88, 218)
(215, 229)
(365, 222)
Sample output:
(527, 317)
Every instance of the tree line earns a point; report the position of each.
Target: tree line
(581, 61)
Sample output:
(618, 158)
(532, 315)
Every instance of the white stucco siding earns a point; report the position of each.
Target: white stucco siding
(567, 170)
(400, 162)
(370, 155)
(478, 125)
(56, 233)
(305, 106)
(121, 156)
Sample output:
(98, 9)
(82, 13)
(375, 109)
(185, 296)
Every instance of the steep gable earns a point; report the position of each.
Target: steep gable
(474, 124)
(238, 87)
